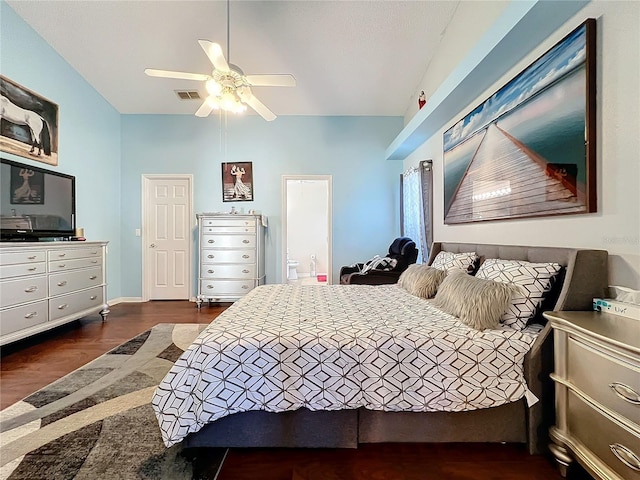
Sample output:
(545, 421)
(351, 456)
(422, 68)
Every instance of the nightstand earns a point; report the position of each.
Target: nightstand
(597, 386)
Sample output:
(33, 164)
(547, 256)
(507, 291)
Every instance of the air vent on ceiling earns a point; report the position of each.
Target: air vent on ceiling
(188, 94)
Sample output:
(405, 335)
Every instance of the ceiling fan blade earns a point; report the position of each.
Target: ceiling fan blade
(259, 107)
(205, 108)
(278, 80)
(214, 52)
(181, 75)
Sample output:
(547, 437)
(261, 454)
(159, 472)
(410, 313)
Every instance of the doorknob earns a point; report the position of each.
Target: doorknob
(153, 245)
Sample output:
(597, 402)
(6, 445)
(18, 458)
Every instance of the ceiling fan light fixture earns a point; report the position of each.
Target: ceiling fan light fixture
(213, 87)
(213, 102)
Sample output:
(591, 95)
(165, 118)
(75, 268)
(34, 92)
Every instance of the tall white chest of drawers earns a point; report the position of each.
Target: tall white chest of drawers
(597, 379)
(231, 260)
(43, 285)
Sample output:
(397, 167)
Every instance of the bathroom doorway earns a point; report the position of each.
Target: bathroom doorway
(306, 229)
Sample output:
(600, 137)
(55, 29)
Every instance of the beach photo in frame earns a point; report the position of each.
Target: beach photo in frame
(529, 150)
(237, 182)
(28, 123)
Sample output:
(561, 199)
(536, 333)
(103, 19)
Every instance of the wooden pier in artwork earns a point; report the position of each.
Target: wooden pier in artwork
(505, 179)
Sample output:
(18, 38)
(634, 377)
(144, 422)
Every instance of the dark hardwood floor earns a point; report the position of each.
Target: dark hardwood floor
(29, 365)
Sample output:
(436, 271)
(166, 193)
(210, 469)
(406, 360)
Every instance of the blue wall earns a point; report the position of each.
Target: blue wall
(108, 153)
(351, 149)
(89, 132)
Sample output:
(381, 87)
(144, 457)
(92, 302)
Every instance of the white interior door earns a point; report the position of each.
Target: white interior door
(166, 240)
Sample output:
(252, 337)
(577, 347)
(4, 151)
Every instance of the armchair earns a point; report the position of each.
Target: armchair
(403, 250)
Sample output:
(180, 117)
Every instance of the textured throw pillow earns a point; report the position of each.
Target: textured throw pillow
(534, 280)
(421, 280)
(476, 302)
(449, 260)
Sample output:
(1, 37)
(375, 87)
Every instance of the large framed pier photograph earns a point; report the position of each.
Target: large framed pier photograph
(529, 150)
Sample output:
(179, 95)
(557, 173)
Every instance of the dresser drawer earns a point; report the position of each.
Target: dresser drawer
(228, 241)
(29, 289)
(610, 381)
(24, 316)
(228, 222)
(9, 271)
(228, 256)
(13, 258)
(69, 264)
(60, 283)
(229, 229)
(75, 302)
(228, 271)
(210, 288)
(75, 253)
(599, 433)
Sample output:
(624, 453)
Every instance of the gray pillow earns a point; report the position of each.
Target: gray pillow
(476, 302)
(421, 280)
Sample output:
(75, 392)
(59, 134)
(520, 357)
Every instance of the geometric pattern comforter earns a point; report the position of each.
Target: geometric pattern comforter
(330, 347)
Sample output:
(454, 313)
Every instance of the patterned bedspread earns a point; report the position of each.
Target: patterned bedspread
(282, 347)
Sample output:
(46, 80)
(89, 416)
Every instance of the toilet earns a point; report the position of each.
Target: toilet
(293, 273)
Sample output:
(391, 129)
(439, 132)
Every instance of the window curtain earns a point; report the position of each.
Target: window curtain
(417, 206)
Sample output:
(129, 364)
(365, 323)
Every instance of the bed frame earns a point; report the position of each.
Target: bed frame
(584, 277)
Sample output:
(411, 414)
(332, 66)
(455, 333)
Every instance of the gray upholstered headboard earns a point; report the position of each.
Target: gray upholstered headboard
(585, 273)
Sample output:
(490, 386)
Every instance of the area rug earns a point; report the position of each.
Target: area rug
(97, 422)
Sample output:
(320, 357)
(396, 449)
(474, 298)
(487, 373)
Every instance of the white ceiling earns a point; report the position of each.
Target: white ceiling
(348, 57)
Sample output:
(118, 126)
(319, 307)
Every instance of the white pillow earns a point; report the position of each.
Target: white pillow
(421, 280)
(534, 280)
(449, 260)
(476, 302)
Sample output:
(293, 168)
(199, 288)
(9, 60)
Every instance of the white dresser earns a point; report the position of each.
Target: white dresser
(231, 256)
(46, 284)
(597, 383)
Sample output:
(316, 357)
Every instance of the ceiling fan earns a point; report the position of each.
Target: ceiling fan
(228, 87)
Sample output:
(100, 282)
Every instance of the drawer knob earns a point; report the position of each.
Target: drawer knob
(30, 289)
(93, 297)
(61, 254)
(32, 269)
(245, 271)
(62, 265)
(211, 271)
(63, 306)
(245, 256)
(245, 287)
(32, 257)
(94, 261)
(93, 277)
(212, 241)
(62, 283)
(210, 286)
(245, 241)
(626, 456)
(31, 315)
(625, 392)
(211, 256)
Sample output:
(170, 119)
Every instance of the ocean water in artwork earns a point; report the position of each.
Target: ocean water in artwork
(552, 124)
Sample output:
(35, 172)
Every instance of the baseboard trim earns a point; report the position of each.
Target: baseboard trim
(115, 301)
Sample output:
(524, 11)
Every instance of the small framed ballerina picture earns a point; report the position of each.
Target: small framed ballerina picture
(237, 182)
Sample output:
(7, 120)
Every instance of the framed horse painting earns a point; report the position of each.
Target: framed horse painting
(28, 123)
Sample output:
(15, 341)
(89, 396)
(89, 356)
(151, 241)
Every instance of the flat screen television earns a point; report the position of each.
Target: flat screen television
(35, 203)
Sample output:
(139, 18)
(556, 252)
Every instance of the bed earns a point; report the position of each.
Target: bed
(339, 365)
